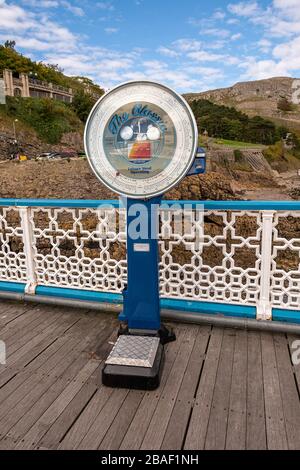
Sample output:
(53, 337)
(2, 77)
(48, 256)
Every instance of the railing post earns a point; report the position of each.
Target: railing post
(264, 306)
(25, 213)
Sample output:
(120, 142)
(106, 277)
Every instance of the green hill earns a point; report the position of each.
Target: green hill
(228, 123)
(50, 119)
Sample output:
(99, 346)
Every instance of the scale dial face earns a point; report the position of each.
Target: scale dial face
(141, 139)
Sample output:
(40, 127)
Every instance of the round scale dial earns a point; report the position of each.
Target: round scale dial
(141, 139)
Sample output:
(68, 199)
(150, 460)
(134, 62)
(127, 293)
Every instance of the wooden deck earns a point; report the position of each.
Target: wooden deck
(221, 388)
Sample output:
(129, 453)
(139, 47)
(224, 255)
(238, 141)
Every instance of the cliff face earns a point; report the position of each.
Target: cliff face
(260, 98)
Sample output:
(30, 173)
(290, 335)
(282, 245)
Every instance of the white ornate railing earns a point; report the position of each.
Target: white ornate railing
(248, 253)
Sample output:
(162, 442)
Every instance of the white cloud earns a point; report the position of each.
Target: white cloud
(204, 56)
(38, 31)
(41, 3)
(155, 65)
(233, 21)
(166, 51)
(264, 45)
(111, 30)
(215, 45)
(243, 8)
(77, 11)
(185, 45)
(256, 70)
(219, 15)
(206, 72)
(48, 4)
(280, 20)
(236, 36)
(289, 54)
(221, 33)
(105, 6)
(290, 8)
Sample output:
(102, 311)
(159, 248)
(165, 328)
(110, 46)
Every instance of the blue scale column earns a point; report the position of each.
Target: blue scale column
(141, 297)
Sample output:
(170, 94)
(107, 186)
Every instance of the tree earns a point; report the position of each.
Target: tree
(284, 104)
(55, 68)
(10, 44)
(82, 104)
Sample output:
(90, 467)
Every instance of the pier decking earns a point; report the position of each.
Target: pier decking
(220, 389)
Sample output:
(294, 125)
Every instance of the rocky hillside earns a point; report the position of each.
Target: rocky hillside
(260, 97)
(75, 180)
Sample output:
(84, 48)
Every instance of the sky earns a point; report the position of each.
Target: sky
(189, 45)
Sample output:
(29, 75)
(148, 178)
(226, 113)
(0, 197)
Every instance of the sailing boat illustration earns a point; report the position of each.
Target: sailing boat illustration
(140, 137)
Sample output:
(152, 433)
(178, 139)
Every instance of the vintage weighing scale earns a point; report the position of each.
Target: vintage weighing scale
(141, 140)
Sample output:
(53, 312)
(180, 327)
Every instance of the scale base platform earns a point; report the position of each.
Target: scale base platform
(134, 362)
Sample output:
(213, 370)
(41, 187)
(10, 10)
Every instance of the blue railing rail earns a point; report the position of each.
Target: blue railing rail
(208, 205)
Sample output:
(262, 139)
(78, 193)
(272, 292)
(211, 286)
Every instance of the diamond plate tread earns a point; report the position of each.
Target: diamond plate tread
(138, 351)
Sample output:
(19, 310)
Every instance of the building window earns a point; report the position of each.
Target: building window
(39, 94)
(17, 92)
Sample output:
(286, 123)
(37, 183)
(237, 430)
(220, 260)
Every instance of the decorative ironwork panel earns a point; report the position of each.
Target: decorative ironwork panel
(221, 256)
(217, 258)
(12, 256)
(285, 265)
(80, 248)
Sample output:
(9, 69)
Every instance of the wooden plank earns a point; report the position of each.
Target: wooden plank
(41, 426)
(86, 419)
(175, 433)
(291, 341)
(19, 378)
(237, 416)
(8, 444)
(22, 322)
(20, 341)
(37, 344)
(84, 422)
(6, 375)
(161, 416)
(35, 358)
(37, 354)
(104, 420)
(90, 413)
(115, 435)
(71, 369)
(196, 433)
(276, 433)
(9, 311)
(57, 431)
(137, 430)
(256, 423)
(20, 400)
(217, 425)
(289, 392)
(69, 415)
(42, 362)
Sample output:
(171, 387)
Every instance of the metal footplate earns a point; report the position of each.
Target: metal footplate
(134, 362)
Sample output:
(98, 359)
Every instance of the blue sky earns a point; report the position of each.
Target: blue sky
(190, 45)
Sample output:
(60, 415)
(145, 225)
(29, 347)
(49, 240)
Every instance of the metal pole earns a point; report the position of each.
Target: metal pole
(15, 129)
(171, 315)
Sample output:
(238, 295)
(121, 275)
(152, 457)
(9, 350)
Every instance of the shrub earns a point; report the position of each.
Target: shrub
(238, 156)
(49, 118)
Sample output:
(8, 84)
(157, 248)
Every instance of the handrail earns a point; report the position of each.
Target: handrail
(209, 205)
